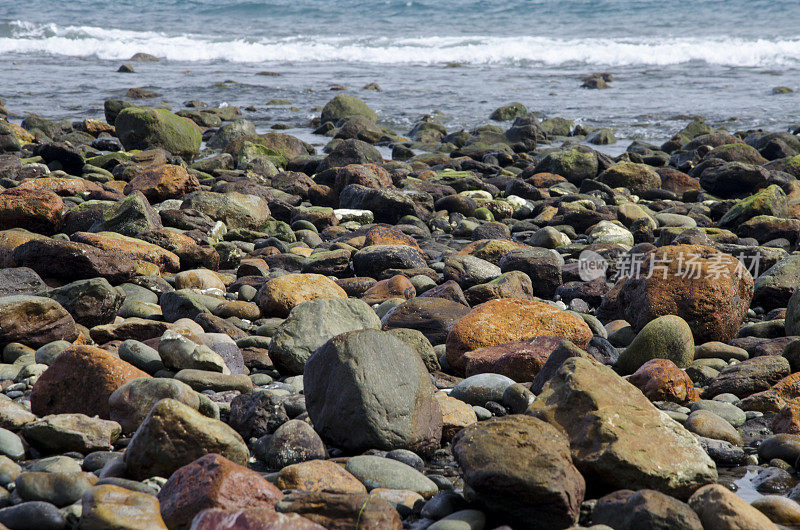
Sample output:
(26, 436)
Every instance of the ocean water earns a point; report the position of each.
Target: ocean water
(671, 59)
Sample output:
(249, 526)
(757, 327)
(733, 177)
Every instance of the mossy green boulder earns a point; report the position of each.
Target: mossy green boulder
(344, 106)
(638, 178)
(509, 112)
(141, 127)
(575, 164)
(668, 337)
(769, 201)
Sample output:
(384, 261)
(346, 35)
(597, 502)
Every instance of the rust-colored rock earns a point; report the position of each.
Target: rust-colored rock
(251, 519)
(369, 175)
(661, 380)
(212, 481)
(397, 286)
(35, 210)
(190, 253)
(319, 475)
(34, 321)
(709, 289)
(131, 248)
(80, 380)
(388, 235)
(342, 511)
(676, 181)
(162, 183)
(279, 295)
(777, 397)
(492, 250)
(787, 420)
(520, 361)
(511, 320)
(67, 186)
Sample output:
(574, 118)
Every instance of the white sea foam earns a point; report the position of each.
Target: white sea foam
(113, 44)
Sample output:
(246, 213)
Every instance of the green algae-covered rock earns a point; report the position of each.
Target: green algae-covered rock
(141, 127)
(344, 106)
(769, 201)
(667, 337)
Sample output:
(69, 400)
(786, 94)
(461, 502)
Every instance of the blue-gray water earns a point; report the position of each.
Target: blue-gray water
(670, 58)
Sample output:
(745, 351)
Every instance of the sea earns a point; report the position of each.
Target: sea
(670, 60)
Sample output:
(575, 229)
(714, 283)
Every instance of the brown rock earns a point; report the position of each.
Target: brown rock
(520, 361)
(165, 182)
(661, 380)
(67, 187)
(520, 467)
(34, 321)
(511, 320)
(433, 317)
(369, 175)
(787, 420)
(107, 506)
(212, 481)
(135, 328)
(278, 296)
(388, 235)
(191, 254)
(397, 286)
(342, 511)
(71, 261)
(130, 248)
(644, 509)
(709, 289)
(319, 475)
(11, 239)
(456, 415)
(721, 509)
(776, 398)
(81, 379)
(676, 181)
(35, 210)
(251, 519)
(492, 250)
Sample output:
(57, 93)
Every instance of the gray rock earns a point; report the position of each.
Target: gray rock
(311, 324)
(62, 433)
(33, 515)
(367, 389)
(293, 442)
(730, 413)
(90, 302)
(479, 389)
(178, 353)
(130, 403)
(59, 489)
(141, 356)
(378, 472)
(11, 446)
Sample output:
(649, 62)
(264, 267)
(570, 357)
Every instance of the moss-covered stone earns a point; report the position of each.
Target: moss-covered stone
(668, 337)
(573, 164)
(344, 106)
(769, 201)
(636, 177)
(140, 128)
(509, 112)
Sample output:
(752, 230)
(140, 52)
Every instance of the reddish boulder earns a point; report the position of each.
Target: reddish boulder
(251, 519)
(397, 286)
(81, 379)
(341, 511)
(388, 235)
(520, 361)
(213, 481)
(662, 380)
(35, 210)
(162, 183)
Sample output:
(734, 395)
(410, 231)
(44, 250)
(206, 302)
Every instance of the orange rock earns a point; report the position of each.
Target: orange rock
(22, 134)
(511, 320)
(383, 234)
(455, 415)
(397, 286)
(63, 186)
(520, 361)
(676, 181)
(131, 248)
(369, 175)
(342, 510)
(301, 251)
(319, 475)
(491, 250)
(251, 519)
(787, 420)
(35, 210)
(162, 183)
(775, 398)
(198, 279)
(213, 481)
(279, 295)
(80, 380)
(95, 127)
(709, 289)
(545, 180)
(662, 380)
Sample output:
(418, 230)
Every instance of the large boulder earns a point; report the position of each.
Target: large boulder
(34, 321)
(311, 324)
(612, 427)
(173, 435)
(432, 316)
(520, 468)
(511, 320)
(166, 182)
(128, 217)
(710, 290)
(769, 201)
(140, 128)
(81, 379)
(367, 389)
(129, 404)
(638, 178)
(668, 337)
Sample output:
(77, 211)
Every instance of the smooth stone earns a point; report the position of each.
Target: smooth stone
(481, 388)
(377, 472)
(11, 445)
(730, 413)
(33, 515)
(462, 520)
(60, 489)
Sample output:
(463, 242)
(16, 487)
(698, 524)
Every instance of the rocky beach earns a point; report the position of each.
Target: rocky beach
(206, 326)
